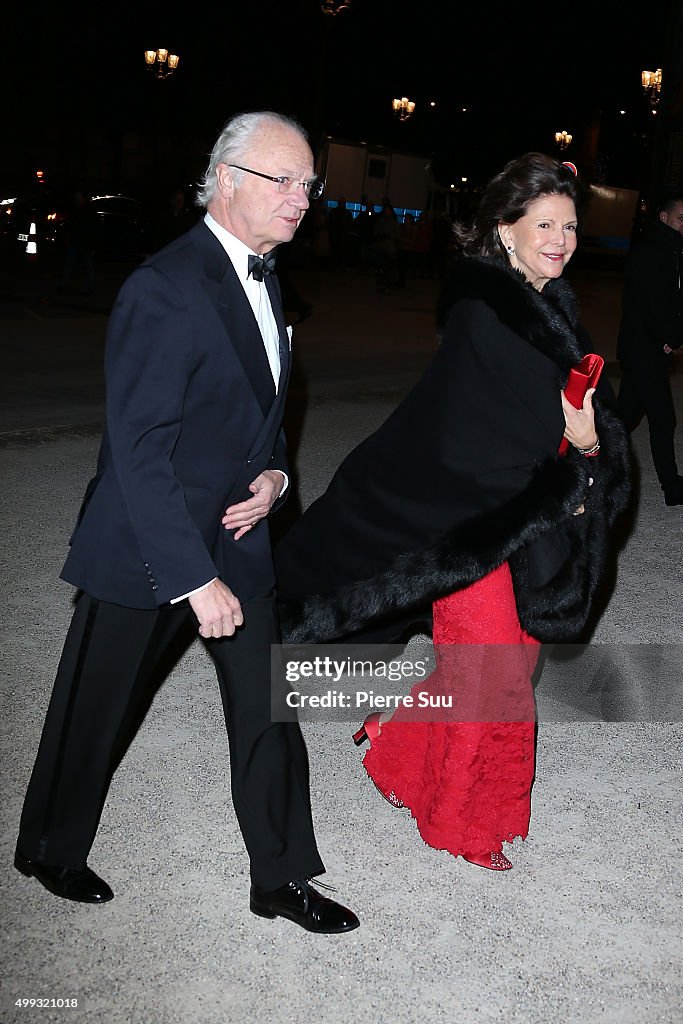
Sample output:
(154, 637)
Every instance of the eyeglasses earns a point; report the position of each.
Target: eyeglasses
(313, 188)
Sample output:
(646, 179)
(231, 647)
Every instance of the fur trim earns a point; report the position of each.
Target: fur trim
(460, 558)
(548, 321)
(560, 611)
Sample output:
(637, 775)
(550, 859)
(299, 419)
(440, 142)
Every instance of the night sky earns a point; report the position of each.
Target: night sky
(523, 71)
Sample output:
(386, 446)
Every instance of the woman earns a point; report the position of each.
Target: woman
(461, 502)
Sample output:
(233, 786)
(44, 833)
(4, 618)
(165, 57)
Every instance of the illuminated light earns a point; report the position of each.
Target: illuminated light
(403, 107)
(161, 63)
(7, 202)
(563, 139)
(463, 180)
(652, 86)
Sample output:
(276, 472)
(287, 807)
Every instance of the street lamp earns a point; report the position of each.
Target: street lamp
(403, 107)
(161, 63)
(652, 86)
(563, 139)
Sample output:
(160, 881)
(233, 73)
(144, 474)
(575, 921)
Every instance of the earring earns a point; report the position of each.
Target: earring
(509, 249)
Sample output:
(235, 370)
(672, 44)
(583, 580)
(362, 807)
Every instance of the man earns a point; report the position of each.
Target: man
(651, 332)
(173, 526)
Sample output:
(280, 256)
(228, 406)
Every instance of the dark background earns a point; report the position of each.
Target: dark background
(80, 103)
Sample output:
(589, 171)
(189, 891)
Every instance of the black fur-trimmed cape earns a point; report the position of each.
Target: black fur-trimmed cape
(506, 352)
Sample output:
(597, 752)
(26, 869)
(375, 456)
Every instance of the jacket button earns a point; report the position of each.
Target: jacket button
(155, 587)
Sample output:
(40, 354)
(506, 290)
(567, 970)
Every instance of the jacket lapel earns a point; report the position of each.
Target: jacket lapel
(235, 311)
(276, 410)
(273, 289)
(232, 305)
(243, 331)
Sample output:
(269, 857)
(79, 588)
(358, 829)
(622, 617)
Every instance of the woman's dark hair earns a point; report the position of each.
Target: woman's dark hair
(507, 197)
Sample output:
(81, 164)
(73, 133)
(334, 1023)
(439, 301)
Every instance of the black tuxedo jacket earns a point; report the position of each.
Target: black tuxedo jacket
(192, 419)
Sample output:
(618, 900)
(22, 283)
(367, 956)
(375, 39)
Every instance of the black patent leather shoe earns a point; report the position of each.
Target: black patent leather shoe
(79, 884)
(298, 901)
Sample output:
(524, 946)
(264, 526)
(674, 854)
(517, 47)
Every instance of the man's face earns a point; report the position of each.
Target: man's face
(674, 218)
(255, 211)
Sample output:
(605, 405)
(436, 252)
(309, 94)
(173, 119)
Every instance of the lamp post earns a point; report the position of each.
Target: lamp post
(652, 87)
(161, 66)
(403, 107)
(563, 139)
(161, 63)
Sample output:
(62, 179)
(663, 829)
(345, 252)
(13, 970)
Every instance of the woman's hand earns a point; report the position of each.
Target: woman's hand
(582, 508)
(580, 423)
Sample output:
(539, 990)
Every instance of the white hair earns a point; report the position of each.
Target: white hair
(233, 143)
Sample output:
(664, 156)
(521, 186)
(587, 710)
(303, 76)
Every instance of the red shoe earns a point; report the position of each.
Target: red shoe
(369, 730)
(495, 861)
(390, 797)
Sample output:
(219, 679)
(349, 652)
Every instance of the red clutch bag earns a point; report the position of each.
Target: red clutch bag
(583, 376)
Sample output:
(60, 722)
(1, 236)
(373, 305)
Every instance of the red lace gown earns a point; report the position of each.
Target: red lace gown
(466, 771)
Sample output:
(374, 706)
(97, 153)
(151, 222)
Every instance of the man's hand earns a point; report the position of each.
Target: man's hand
(217, 609)
(266, 489)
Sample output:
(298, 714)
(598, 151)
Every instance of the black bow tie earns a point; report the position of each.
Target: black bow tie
(260, 265)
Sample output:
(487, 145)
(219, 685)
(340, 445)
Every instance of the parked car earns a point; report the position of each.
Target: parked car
(122, 224)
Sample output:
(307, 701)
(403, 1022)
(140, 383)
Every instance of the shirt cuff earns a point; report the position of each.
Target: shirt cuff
(191, 592)
(286, 483)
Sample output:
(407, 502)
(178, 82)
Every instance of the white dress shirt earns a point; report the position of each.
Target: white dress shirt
(259, 301)
(255, 291)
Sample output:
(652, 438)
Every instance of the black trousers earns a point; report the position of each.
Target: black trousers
(646, 390)
(109, 657)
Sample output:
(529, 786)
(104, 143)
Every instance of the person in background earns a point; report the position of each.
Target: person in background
(173, 532)
(177, 218)
(651, 336)
(339, 226)
(385, 239)
(80, 234)
(461, 508)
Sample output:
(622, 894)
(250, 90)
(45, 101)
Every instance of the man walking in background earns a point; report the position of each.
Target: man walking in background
(650, 335)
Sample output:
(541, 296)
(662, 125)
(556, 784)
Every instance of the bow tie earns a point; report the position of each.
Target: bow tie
(260, 265)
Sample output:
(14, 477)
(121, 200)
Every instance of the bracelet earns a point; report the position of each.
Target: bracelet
(589, 452)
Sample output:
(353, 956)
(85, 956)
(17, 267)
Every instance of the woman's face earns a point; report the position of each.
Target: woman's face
(543, 240)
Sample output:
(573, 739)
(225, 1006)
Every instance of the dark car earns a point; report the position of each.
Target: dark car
(37, 224)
